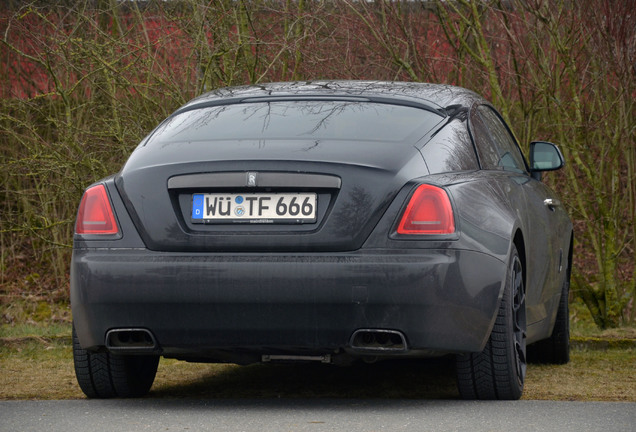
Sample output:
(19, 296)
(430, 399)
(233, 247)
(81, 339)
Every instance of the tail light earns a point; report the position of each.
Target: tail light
(95, 215)
(428, 212)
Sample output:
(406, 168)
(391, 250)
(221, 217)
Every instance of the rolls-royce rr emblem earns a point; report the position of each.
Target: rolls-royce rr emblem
(251, 179)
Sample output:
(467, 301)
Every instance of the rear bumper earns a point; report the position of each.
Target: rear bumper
(197, 304)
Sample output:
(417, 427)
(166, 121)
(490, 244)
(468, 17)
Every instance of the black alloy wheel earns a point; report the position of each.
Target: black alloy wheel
(498, 372)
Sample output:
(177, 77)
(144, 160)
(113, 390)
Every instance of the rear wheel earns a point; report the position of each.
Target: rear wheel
(107, 375)
(498, 372)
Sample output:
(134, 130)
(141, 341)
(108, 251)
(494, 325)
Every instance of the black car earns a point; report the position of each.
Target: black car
(324, 221)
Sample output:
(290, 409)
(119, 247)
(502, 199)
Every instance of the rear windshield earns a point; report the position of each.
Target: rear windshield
(306, 120)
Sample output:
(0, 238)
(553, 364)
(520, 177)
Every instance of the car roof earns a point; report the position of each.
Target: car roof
(440, 98)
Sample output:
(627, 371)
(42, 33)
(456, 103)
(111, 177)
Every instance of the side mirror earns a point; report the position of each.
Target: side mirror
(544, 156)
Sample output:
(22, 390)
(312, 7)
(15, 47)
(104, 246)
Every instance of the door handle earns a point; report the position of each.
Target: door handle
(551, 203)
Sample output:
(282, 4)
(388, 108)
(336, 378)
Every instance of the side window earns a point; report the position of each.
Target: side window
(507, 154)
(486, 149)
(510, 157)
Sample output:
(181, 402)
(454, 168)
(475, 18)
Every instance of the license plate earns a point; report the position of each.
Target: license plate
(254, 208)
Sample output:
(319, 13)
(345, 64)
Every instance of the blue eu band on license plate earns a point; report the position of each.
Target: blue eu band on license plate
(254, 208)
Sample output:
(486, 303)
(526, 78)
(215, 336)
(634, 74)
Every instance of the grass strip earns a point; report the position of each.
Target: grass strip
(41, 367)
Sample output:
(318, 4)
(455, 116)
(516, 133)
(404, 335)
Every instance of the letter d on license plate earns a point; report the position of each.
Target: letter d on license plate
(254, 208)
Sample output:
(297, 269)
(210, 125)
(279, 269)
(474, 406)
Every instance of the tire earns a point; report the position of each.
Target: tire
(556, 348)
(105, 375)
(498, 372)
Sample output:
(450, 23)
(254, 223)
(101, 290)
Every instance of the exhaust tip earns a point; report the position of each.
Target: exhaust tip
(131, 339)
(378, 340)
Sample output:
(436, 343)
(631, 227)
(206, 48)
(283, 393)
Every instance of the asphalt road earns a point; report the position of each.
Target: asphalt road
(314, 415)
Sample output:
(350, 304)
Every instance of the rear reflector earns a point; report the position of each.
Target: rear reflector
(95, 215)
(428, 212)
